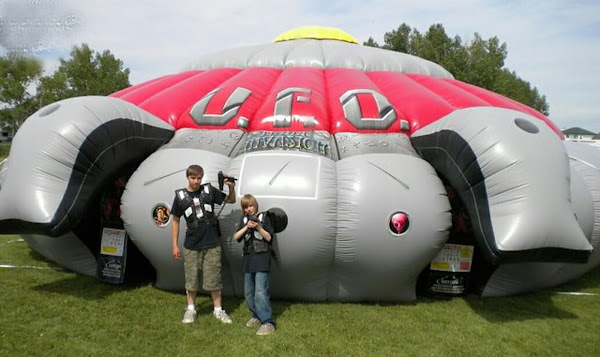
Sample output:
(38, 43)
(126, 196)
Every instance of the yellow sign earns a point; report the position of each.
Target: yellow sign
(113, 241)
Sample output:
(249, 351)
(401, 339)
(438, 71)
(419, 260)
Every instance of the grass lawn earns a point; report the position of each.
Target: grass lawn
(47, 311)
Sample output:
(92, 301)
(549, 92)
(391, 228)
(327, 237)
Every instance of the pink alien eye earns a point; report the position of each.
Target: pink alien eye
(399, 223)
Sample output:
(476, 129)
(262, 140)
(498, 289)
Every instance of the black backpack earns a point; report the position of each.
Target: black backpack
(279, 222)
(278, 218)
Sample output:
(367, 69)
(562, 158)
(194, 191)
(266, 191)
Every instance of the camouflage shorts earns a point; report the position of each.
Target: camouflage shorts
(209, 262)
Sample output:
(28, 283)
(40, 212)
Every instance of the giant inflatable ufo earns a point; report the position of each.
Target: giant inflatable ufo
(395, 178)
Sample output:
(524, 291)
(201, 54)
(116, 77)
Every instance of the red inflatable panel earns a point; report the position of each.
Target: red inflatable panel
(454, 96)
(172, 102)
(127, 90)
(149, 89)
(418, 104)
(306, 98)
(239, 97)
(354, 105)
(296, 102)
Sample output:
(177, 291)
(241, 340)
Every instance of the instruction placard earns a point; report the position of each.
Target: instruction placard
(454, 258)
(113, 253)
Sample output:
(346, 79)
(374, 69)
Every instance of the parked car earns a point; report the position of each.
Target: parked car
(4, 137)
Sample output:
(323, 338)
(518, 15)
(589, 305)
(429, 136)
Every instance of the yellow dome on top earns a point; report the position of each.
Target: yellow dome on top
(315, 32)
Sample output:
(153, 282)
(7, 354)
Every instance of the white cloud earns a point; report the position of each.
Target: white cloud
(553, 44)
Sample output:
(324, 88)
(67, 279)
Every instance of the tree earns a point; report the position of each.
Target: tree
(371, 43)
(17, 74)
(398, 40)
(86, 73)
(510, 85)
(479, 62)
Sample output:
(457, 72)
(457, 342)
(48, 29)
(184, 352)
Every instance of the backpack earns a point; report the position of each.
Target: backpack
(278, 218)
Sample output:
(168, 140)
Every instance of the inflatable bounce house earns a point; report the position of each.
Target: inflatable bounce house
(395, 179)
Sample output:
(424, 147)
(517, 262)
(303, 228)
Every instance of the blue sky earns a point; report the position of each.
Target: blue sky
(553, 44)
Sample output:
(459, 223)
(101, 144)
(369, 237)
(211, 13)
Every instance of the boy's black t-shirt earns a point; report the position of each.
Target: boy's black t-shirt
(256, 262)
(205, 235)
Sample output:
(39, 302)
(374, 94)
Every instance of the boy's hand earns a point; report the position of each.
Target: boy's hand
(176, 253)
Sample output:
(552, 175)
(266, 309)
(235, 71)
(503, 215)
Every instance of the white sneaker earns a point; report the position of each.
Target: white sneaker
(189, 316)
(222, 316)
(253, 322)
(266, 329)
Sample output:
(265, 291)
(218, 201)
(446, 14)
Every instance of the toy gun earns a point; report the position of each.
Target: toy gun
(223, 178)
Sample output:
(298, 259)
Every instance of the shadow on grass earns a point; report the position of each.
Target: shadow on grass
(535, 305)
(87, 288)
(280, 306)
(589, 280)
(538, 306)
(532, 306)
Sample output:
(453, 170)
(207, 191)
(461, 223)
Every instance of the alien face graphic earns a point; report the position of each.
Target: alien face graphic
(399, 222)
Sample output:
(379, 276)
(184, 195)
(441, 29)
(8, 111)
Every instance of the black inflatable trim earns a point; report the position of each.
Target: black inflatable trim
(106, 151)
(454, 159)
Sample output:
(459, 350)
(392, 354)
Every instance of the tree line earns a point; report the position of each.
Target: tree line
(24, 89)
(479, 62)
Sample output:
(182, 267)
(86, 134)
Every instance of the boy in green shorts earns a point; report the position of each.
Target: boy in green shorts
(202, 251)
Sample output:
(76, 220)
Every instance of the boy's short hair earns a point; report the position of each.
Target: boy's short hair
(248, 200)
(194, 170)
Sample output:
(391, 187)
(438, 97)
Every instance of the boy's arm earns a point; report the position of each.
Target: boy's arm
(175, 237)
(240, 233)
(231, 196)
(263, 232)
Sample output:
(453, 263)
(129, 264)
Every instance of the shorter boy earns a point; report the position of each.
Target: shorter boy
(256, 231)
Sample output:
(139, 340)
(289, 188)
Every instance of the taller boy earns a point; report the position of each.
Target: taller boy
(201, 248)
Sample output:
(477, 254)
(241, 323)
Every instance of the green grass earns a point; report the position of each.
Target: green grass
(53, 312)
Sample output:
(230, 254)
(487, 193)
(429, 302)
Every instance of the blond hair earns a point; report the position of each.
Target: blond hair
(248, 200)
